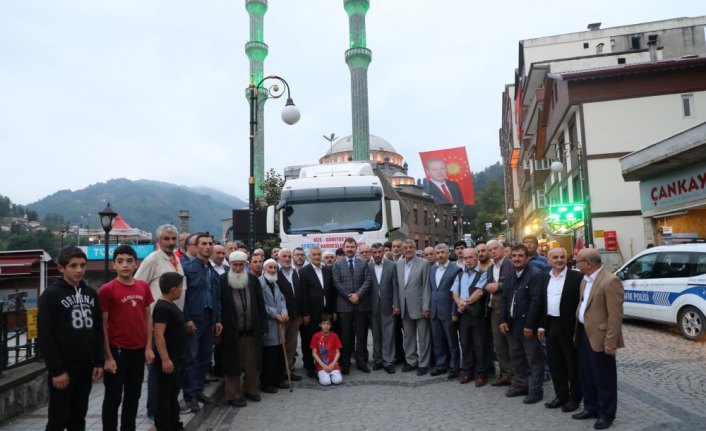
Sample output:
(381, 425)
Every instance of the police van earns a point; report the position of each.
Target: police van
(668, 284)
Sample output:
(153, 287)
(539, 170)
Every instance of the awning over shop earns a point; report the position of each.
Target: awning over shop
(25, 262)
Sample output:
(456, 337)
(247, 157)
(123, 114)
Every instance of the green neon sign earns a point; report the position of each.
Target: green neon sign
(569, 213)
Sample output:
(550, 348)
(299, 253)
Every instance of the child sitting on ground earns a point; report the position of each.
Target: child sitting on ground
(325, 347)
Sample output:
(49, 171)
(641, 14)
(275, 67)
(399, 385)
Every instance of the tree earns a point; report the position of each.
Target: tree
(490, 204)
(271, 189)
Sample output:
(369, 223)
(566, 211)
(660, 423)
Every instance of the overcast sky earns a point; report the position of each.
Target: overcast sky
(93, 90)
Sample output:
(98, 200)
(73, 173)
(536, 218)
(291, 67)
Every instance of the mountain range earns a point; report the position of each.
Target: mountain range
(143, 204)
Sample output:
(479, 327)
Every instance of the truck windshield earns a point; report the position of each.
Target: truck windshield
(328, 216)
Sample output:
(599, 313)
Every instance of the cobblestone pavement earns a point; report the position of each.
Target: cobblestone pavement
(661, 384)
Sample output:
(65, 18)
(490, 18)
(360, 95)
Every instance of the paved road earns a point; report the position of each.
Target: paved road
(662, 386)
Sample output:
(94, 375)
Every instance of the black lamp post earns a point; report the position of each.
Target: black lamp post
(107, 219)
(257, 94)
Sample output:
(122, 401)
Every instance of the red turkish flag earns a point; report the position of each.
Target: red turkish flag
(457, 175)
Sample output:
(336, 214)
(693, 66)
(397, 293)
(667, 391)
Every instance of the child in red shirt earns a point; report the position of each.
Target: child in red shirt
(325, 347)
(127, 327)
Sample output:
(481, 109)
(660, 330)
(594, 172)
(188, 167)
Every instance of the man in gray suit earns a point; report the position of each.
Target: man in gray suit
(351, 278)
(385, 297)
(444, 337)
(415, 304)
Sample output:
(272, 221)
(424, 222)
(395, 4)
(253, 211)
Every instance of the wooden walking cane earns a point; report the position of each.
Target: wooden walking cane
(284, 350)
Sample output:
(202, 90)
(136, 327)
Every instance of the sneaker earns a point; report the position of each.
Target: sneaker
(193, 405)
(184, 408)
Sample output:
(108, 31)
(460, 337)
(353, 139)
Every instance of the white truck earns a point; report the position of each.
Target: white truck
(330, 202)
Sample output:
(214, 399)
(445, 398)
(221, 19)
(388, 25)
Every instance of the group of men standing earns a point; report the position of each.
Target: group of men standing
(430, 314)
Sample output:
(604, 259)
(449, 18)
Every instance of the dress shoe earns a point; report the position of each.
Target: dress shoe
(237, 403)
(378, 366)
(256, 398)
(532, 398)
(204, 398)
(465, 379)
(453, 375)
(346, 369)
(602, 424)
(570, 406)
(283, 385)
(584, 414)
(270, 390)
(422, 371)
(517, 392)
(311, 374)
(364, 368)
(390, 369)
(555, 403)
(501, 382)
(480, 382)
(295, 377)
(211, 378)
(437, 371)
(406, 368)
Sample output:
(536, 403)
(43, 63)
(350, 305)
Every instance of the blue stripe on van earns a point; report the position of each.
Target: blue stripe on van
(661, 298)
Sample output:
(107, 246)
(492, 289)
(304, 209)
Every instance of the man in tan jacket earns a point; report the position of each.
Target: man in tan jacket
(599, 335)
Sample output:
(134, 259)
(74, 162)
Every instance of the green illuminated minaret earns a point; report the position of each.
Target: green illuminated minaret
(358, 58)
(256, 51)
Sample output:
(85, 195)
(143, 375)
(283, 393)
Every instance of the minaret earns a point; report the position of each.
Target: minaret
(256, 51)
(358, 58)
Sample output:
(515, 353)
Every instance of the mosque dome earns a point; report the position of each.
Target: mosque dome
(346, 144)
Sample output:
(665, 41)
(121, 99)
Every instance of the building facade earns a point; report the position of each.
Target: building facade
(584, 100)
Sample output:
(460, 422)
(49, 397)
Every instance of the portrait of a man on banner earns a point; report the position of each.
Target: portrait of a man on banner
(448, 176)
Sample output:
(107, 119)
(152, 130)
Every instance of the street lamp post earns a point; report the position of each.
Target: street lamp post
(290, 115)
(511, 224)
(107, 219)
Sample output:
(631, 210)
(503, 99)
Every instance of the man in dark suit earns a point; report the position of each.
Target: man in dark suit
(498, 277)
(443, 190)
(351, 278)
(599, 335)
(316, 284)
(520, 312)
(415, 303)
(443, 332)
(561, 298)
(288, 282)
(384, 297)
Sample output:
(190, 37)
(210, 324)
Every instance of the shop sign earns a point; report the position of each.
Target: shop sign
(679, 187)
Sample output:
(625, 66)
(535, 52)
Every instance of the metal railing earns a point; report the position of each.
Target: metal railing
(15, 347)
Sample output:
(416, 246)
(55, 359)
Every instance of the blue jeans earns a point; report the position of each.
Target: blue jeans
(199, 348)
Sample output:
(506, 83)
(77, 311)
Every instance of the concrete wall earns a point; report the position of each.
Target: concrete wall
(648, 119)
(23, 389)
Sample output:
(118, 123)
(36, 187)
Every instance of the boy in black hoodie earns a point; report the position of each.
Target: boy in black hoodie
(71, 341)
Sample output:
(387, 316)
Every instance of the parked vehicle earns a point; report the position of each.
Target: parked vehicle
(329, 202)
(668, 284)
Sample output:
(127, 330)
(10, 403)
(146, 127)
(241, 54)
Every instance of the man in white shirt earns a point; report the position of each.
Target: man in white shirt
(561, 293)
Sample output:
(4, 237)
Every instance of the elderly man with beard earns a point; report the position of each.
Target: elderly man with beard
(288, 282)
(272, 370)
(242, 314)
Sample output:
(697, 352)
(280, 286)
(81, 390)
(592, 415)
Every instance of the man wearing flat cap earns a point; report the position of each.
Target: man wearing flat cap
(243, 316)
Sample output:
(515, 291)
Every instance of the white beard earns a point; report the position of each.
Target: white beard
(237, 280)
(272, 278)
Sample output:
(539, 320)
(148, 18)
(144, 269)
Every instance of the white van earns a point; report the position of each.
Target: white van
(668, 284)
